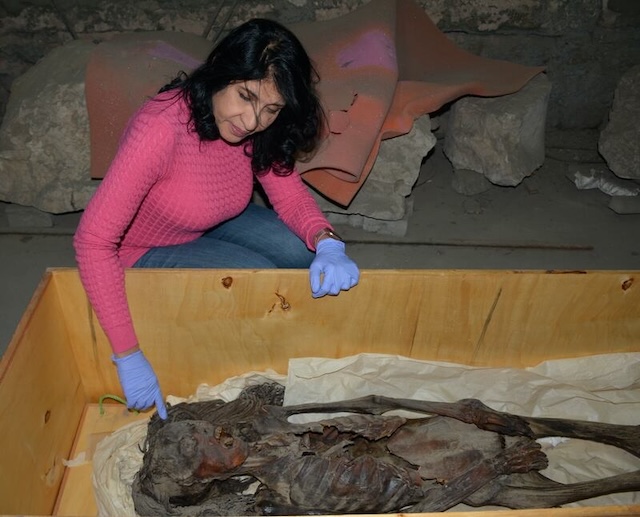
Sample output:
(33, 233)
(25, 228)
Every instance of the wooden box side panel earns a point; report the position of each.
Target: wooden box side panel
(520, 319)
(87, 339)
(41, 403)
(207, 325)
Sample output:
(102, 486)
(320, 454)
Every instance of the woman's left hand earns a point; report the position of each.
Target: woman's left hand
(332, 270)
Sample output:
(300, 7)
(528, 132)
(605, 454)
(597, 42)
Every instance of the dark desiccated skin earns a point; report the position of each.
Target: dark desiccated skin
(245, 458)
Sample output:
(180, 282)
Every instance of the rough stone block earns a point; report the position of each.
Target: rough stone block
(381, 204)
(44, 138)
(500, 137)
(619, 142)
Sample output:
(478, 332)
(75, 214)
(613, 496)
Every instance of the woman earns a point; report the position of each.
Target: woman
(178, 191)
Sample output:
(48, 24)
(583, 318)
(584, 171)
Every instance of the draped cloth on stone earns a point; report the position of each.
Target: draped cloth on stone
(381, 67)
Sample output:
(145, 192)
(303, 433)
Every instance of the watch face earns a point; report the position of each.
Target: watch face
(333, 234)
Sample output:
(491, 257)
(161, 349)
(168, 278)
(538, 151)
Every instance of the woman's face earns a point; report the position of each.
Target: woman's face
(246, 107)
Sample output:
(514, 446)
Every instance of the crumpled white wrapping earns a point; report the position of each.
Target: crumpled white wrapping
(608, 183)
(602, 388)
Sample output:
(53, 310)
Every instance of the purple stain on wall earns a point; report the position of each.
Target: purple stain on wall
(163, 50)
(373, 48)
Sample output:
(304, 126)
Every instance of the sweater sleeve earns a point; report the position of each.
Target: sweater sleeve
(139, 162)
(295, 205)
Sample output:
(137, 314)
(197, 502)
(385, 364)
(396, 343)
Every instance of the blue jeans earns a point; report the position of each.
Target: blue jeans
(255, 239)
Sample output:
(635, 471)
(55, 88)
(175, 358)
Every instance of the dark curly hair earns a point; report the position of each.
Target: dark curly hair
(256, 50)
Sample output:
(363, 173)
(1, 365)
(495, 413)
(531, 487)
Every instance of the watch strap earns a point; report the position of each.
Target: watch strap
(326, 232)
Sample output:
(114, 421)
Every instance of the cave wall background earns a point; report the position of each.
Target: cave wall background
(586, 45)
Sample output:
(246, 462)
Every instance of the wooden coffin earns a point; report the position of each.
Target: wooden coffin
(208, 325)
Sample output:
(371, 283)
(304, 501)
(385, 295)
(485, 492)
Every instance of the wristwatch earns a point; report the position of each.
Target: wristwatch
(325, 232)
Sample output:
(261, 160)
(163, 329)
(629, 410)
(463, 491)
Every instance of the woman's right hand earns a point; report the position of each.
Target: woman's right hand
(139, 383)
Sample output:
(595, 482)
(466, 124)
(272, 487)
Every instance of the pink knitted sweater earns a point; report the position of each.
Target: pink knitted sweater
(166, 187)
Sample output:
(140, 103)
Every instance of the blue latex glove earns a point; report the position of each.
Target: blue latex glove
(332, 270)
(139, 383)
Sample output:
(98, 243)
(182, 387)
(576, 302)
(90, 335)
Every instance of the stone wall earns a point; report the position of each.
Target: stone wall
(586, 45)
